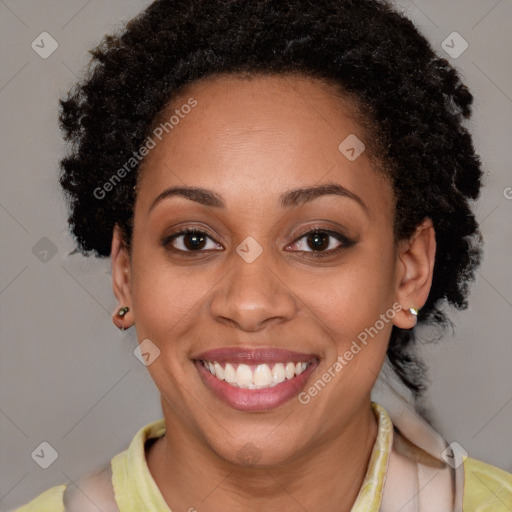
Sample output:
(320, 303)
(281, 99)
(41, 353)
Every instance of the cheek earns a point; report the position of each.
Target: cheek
(353, 296)
(166, 298)
(165, 303)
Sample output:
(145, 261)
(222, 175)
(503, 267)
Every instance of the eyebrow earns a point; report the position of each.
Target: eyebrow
(288, 199)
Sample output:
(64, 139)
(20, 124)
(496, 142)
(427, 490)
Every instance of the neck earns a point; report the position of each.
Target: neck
(326, 477)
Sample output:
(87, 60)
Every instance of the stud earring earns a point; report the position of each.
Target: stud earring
(414, 311)
(122, 311)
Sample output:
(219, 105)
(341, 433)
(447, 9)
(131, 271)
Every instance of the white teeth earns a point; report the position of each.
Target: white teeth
(243, 376)
(256, 376)
(262, 375)
(278, 375)
(219, 371)
(229, 374)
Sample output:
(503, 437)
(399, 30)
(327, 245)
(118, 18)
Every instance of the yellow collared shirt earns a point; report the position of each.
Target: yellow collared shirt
(486, 488)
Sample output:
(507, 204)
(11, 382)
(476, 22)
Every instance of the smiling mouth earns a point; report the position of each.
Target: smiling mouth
(255, 379)
(255, 376)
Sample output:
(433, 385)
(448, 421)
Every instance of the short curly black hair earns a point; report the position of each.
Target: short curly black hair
(413, 101)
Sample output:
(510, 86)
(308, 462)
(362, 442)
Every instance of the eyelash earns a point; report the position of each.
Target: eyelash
(345, 242)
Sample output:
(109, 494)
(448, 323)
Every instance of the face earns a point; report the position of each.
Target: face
(261, 252)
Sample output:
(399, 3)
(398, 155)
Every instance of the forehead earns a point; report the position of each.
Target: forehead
(259, 134)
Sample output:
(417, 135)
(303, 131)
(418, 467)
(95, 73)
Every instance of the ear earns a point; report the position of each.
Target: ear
(121, 278)
(415, 267)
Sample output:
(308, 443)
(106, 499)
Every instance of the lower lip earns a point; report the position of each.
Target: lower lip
(255, 400)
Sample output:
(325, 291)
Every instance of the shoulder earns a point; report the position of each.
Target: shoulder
(92, 492)
(96, 488)
(49, 501)
(486, 488)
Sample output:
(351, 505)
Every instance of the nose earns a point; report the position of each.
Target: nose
(252, 296)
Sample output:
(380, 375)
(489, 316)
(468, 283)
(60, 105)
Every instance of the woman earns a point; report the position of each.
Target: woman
(285, 190)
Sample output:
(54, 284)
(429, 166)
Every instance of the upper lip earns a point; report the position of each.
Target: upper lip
(259, 355)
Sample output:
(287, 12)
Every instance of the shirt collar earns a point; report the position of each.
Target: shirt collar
(370, 495)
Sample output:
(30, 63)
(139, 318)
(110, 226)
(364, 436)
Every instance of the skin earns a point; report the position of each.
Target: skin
(314, 456)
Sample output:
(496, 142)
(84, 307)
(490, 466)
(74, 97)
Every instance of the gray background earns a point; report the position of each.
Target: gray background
(70, 378)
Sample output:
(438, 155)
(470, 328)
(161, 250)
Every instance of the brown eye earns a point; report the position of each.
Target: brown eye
(190, 240)
(319, 242)
(194, 241)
